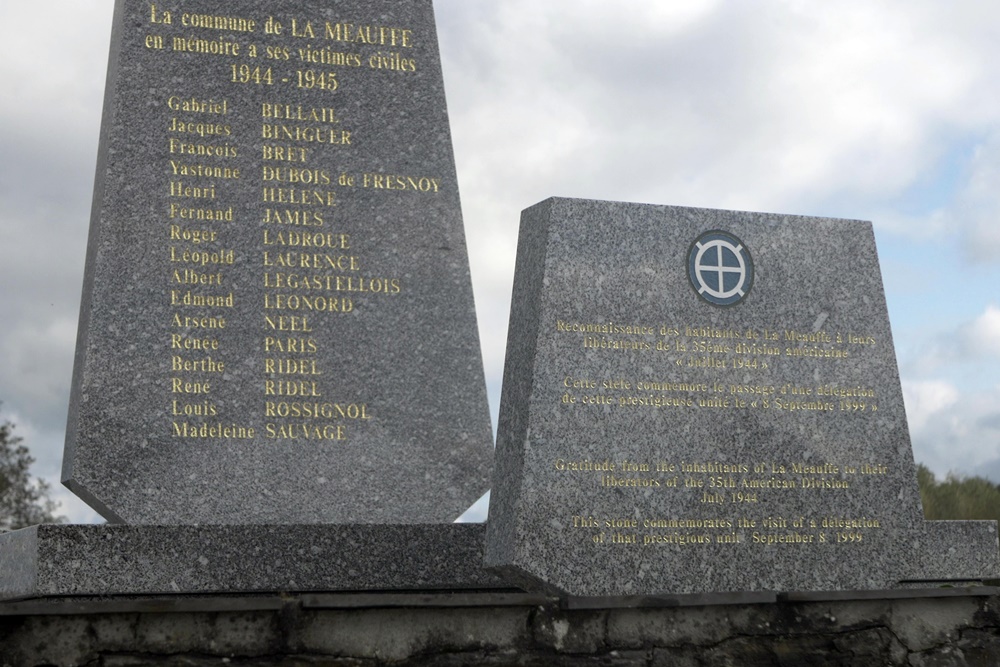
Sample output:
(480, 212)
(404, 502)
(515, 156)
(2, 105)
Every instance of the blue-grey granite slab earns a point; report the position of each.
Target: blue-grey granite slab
(707, 401)
(277, 324)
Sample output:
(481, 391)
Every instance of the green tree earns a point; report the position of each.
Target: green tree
(23, 501)
(966, 498)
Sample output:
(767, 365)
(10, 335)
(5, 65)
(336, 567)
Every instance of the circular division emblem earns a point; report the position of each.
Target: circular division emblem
(720, 268)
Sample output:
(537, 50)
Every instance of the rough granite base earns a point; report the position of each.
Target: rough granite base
(125, 562)
(86, 560)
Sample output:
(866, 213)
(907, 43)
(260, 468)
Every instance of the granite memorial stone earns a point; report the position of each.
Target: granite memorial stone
(278, 322)
(703, 401)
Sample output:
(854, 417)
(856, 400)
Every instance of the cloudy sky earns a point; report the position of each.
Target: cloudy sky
(885, 111)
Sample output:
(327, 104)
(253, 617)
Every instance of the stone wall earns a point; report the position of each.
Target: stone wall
(929, 628)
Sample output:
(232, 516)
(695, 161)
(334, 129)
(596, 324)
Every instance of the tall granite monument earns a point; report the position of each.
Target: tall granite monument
(703, 401)
(278, 323)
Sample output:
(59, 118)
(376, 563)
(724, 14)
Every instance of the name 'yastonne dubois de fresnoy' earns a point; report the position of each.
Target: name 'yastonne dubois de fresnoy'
(277, 272)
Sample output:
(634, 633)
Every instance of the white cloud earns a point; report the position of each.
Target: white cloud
(952, 399)
(979, 202)
(31, 353)
(926, 400)
(953, 430)
(975, 342)
(772, 106)
(983, 335)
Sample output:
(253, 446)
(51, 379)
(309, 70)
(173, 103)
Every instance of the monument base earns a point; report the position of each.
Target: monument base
(938, 553)
(419, 595)
(88, 560)
(58, 561)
